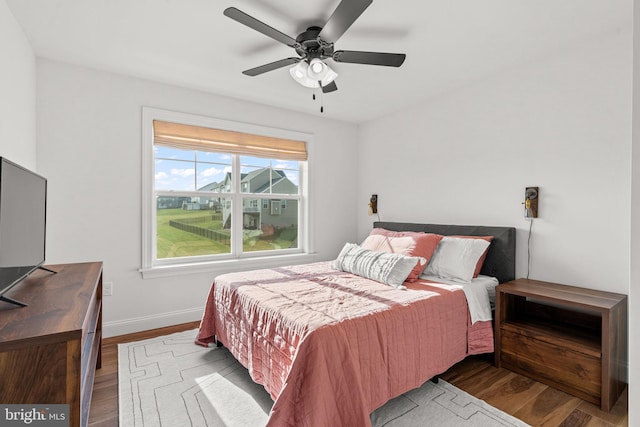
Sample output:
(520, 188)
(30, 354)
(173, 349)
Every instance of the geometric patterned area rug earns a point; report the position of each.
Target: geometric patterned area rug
(170, 381)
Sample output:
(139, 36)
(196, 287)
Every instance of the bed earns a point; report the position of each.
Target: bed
(331, 346)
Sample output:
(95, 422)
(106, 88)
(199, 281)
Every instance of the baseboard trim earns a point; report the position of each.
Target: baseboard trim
(145, 323)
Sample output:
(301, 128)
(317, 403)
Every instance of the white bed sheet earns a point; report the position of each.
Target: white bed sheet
(480, 294)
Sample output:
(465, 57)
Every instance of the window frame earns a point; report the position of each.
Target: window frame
(154, 267)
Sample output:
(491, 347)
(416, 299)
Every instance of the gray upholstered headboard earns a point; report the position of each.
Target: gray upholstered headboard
(501, 257)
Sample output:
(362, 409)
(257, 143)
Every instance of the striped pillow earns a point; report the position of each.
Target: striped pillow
(388, 268)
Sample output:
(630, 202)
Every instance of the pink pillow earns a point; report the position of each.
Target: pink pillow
(408, 243)
(476, 272)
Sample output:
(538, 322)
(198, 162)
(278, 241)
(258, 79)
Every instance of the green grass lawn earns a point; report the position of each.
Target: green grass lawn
(173, 242)
(177, 243)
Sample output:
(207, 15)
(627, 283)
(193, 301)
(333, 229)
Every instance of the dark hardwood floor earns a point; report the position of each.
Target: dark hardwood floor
(531, 401)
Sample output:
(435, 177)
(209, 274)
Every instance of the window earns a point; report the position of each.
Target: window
(275, 207)
(215, 191)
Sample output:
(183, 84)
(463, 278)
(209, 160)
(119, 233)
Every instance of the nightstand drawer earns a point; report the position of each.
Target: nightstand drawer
(571, 371)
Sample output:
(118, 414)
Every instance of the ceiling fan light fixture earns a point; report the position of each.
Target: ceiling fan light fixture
(329, 77)
(303, 73)
(317, 69)
(299, 73)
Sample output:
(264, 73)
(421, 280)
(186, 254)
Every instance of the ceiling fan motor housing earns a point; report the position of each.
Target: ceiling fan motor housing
(311, 46)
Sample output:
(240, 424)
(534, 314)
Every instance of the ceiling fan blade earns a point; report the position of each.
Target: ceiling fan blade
(369, 58)
(331, 87)
(259, 26)
(270, 67)
(345, 14)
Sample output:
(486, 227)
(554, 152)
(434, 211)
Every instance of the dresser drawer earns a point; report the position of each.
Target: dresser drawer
(572, 371)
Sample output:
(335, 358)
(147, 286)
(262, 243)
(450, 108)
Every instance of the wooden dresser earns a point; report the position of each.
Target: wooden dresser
(571, 338)
(49, 350)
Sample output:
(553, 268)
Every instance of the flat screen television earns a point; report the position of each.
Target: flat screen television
(23, 211)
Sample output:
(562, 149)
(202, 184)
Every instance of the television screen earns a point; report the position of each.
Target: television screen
(23, 200)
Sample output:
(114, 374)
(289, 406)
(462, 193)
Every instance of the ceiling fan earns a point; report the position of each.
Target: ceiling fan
(315, 45)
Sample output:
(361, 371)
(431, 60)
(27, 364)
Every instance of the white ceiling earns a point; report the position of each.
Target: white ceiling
(190, 43)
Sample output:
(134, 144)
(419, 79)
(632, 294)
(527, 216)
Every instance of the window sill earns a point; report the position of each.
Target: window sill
(227, 266)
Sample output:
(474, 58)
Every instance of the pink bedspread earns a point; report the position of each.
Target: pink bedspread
(330, 347)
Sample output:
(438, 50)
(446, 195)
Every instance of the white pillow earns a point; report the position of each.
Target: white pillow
(388, 268)
(456, 258)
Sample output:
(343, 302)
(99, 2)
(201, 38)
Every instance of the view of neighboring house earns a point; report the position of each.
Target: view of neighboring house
(260, 213)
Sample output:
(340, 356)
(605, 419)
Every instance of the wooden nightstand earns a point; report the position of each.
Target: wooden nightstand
(570, 338)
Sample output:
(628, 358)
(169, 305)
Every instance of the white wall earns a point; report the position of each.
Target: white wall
(89, 148)
(561, 123)
(17, 93)
(634, 286)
